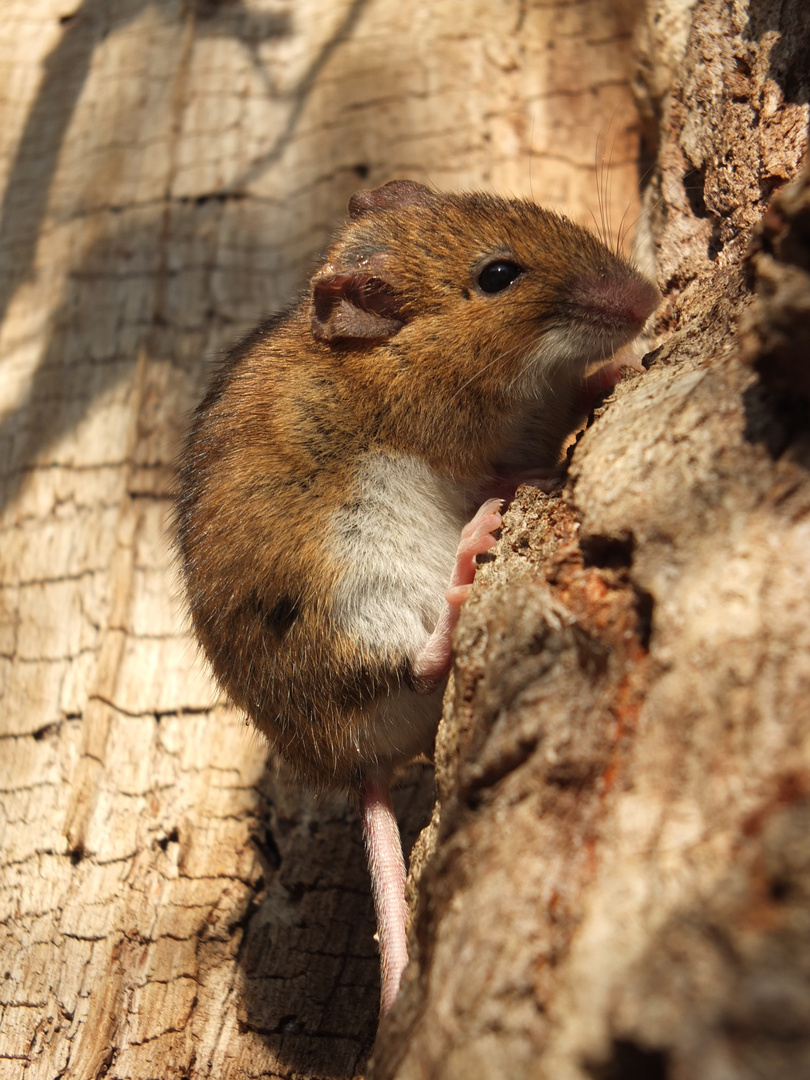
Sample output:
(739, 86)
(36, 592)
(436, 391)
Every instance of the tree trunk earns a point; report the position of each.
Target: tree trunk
(617, 882)
(622, 769)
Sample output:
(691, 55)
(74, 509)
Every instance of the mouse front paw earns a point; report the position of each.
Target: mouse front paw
(432, 663)
(477, 537)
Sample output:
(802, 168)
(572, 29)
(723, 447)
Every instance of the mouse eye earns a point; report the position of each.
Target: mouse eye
(498, 276)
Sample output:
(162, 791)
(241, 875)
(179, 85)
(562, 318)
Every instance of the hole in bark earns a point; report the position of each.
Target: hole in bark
(694, 184)
(631, 1062)
(779, 890)
(644, 607)
(537, 642)
(206, 9)
(608, 552)
(361, 171)
(509, 760)
(773, 418)
(77, 854)
(571, 776)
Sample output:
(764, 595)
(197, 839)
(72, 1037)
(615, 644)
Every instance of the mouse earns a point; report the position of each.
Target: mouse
(349, 463)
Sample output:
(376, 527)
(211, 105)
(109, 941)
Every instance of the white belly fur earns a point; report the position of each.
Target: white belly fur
(398, 542)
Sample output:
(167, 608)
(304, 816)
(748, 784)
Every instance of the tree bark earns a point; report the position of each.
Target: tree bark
(622, 769)
(617, 881)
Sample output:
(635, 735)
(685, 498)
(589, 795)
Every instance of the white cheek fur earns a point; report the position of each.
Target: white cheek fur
(561, 358)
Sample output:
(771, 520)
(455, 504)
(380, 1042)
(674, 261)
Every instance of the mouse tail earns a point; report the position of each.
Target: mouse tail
(387, 868)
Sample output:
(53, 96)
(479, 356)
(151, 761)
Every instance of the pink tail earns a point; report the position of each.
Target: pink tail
(387, 868)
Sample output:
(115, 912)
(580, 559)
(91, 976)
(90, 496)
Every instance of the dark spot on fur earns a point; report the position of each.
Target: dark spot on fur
(279, 618)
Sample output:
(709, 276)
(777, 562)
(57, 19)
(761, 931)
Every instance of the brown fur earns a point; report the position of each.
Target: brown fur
(393, 350)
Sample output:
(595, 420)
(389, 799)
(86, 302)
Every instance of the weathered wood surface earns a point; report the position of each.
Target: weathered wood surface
(168, 906)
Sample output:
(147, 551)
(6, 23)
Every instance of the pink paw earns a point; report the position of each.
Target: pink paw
(432, 662)
(476, 538)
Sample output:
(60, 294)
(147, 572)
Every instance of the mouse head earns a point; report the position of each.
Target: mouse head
(505, 275)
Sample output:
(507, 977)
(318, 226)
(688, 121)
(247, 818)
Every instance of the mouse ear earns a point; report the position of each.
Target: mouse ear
(391, 196)
(355, 303)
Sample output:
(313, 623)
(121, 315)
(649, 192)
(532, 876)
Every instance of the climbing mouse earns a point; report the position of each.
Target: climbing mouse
(349, 462)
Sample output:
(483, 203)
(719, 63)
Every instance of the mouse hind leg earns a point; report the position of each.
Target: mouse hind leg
(380, 830)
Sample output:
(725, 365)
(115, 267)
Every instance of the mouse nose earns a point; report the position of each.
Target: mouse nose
(620, 299)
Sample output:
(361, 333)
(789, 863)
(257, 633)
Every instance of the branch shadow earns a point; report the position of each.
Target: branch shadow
(64, 75)
(59, 397)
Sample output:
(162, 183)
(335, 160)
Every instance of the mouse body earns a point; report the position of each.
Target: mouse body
(348, 462)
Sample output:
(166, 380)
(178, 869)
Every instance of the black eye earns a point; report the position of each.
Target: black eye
(498, 276)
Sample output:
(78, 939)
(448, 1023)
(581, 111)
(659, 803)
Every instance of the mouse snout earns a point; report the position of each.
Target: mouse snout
(618, 301)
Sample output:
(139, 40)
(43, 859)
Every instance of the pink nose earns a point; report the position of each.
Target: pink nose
(616, 300)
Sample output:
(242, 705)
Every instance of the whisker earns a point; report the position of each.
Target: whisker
(599, 179)
(595, 222)
(642, 211)
(609, 200)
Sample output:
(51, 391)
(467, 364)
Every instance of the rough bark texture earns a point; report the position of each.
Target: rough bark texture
(617, 881)
(168, 907)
